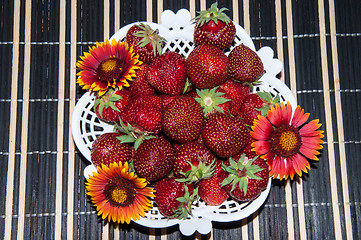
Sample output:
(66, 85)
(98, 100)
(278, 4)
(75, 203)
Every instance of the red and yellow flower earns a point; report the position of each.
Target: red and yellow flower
(107, 65)
(287, 141)
(118, 194)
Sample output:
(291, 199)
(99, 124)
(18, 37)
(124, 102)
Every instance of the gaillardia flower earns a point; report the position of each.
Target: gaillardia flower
(286, 142)
(118, 193)
(107, 65)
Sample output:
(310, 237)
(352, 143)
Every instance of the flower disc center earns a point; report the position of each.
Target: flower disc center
(286, 141)
(110, 69)
(120, 192)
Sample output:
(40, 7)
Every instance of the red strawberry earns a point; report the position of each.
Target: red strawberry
(140, 87)
(256, 104)
(247, 178)
(224, 135)
(244, 64)
(146, 42)
(214, 27)
(144, 114)
(207, 66)
(173, 198)
(107, 149)
(168, 73)
(213, 100)
(108, 107)
(147, 112)
(182, 119)
(167, 98)
(193, 162)
(247, 149)
(250, 108)
(210, 190)
(236, 90)
(154, 158)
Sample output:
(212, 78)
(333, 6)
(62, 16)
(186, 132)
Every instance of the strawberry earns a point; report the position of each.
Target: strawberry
(167, 98)
(174, 199)
(140, 87)
(244, 64)
(108, 107)
(214, 27)
(256, 104)
(146, 42)
(247, 150)
(247, 178)
(168, 73)
(107, 149)
(249, 110)
(225, 135)
(140, 120)
(182, 119)
(210, 190)
(236, 92)
(193, 162)
(213, 100)
(154, 158)
(207, 66)
(144, 114)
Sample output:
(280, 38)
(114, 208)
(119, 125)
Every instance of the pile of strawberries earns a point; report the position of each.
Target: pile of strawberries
(184, 122)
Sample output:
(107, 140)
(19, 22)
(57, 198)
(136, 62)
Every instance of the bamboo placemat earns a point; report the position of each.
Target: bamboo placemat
(43, 194)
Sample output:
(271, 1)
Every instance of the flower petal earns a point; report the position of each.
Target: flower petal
(123, 214)
(299, 117)
(299, 164)
(286, 111)
(309, 129)
(274, 115)
(262, 128)
(89, 78)
(261, 147)
(309, 151)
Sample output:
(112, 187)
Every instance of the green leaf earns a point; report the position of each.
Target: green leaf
(115, 108)
(264, 110)
(137, 143)
(253, 176)
(234, 183)
(126, 139)
(227, 180)
(265, 96)
(96, 103)
(181, 199)
(115, 98)
(243, 185)
(101, 108)
(277, 99)
(182, 180)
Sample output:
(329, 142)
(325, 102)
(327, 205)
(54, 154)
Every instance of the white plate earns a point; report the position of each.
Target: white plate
(178, 30)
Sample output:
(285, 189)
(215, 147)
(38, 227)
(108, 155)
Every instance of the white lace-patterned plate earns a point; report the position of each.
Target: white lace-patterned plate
(178, 30)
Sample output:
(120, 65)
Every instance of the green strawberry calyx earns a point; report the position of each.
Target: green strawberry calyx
(269, 101)
(212, 14)
(198, 172)
(132, 135)
(210, 100)
(240, 172)
(185, 207)
(148, 35)
(107, 100)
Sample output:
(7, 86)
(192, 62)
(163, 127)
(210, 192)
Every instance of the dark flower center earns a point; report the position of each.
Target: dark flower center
(286, 141)
(120, 192)
(110, 69)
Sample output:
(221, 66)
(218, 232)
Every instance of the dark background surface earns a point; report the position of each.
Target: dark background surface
(43, 194)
